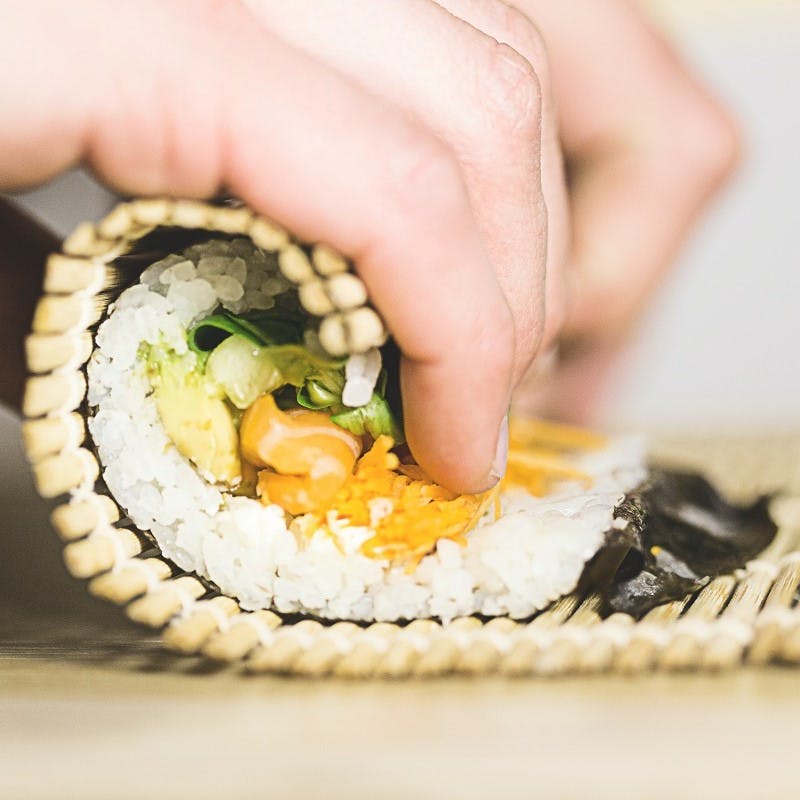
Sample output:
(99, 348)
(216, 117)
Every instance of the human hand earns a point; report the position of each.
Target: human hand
(475, 74)
(187, 97)
(646, 147)
(452, 181)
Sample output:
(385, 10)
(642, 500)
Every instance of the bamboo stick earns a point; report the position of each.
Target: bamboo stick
(683, 651)
(85, 241)
(241, 637)
(438, 659)
(288, 645)
(60, 473)
(346, 291)
(118, 223)
(69, 274)
(327, 261)
(734, 631)
(152, 211)
(768, 634)
(80, 517)
(314, 298)
(294, 265)
(188, 634)
(159, 605)
(648, 638)
(267, 235)
(364, 329)
(45, 394)
(327, 651)
(611, 635)
(47, 352)
(50, 435)
(233, 220)
(100, 551)
(56, 313)
(130, 580)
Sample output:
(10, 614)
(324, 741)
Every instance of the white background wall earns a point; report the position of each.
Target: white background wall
(719, 350)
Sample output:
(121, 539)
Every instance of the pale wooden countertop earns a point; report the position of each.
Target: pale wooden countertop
(95, 710)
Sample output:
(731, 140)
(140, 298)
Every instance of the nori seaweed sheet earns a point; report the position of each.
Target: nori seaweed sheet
(671, 536)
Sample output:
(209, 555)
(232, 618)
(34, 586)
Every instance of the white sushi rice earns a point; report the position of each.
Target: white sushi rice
(514, 566)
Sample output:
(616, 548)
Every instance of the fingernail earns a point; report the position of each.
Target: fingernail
(501, 454)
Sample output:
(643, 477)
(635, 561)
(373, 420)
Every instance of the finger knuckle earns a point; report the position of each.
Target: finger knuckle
(517, 29)
(512, 95)
(710, 142)
(512, 26)
(424, 180)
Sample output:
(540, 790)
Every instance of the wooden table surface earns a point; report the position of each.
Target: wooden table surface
(98, 710)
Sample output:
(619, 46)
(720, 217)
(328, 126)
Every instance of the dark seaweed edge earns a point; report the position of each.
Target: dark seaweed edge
(680, 533)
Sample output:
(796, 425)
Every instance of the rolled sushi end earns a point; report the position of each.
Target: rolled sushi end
(276, 470)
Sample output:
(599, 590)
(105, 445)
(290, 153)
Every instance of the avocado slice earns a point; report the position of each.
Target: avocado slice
(198, 421)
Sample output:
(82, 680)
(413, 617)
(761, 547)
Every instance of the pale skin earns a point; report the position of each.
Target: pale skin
(425, 140)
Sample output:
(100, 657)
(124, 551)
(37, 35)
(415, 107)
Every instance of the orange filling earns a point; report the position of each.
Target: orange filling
(307, 464)
(412, 511)
(538, 455)
(305, 457)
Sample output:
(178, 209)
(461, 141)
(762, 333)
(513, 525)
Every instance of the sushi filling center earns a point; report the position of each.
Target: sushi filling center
(263, 412)
(254, 459)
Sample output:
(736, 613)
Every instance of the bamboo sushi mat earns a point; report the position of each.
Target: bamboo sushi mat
(752, 616)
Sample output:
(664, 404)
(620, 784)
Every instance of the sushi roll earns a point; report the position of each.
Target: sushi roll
(243, 416)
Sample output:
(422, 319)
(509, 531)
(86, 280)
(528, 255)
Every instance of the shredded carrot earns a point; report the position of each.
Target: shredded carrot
(413, 512)
(543, 434)
(540, 453)
(420, 512)
(540, 472)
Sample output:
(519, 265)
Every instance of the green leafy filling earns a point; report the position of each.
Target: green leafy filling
(375, 418)
(260, 352)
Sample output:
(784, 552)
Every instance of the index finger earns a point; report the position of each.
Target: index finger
(386, 192)
(334, 164)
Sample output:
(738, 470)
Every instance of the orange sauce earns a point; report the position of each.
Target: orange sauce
(303, 457)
